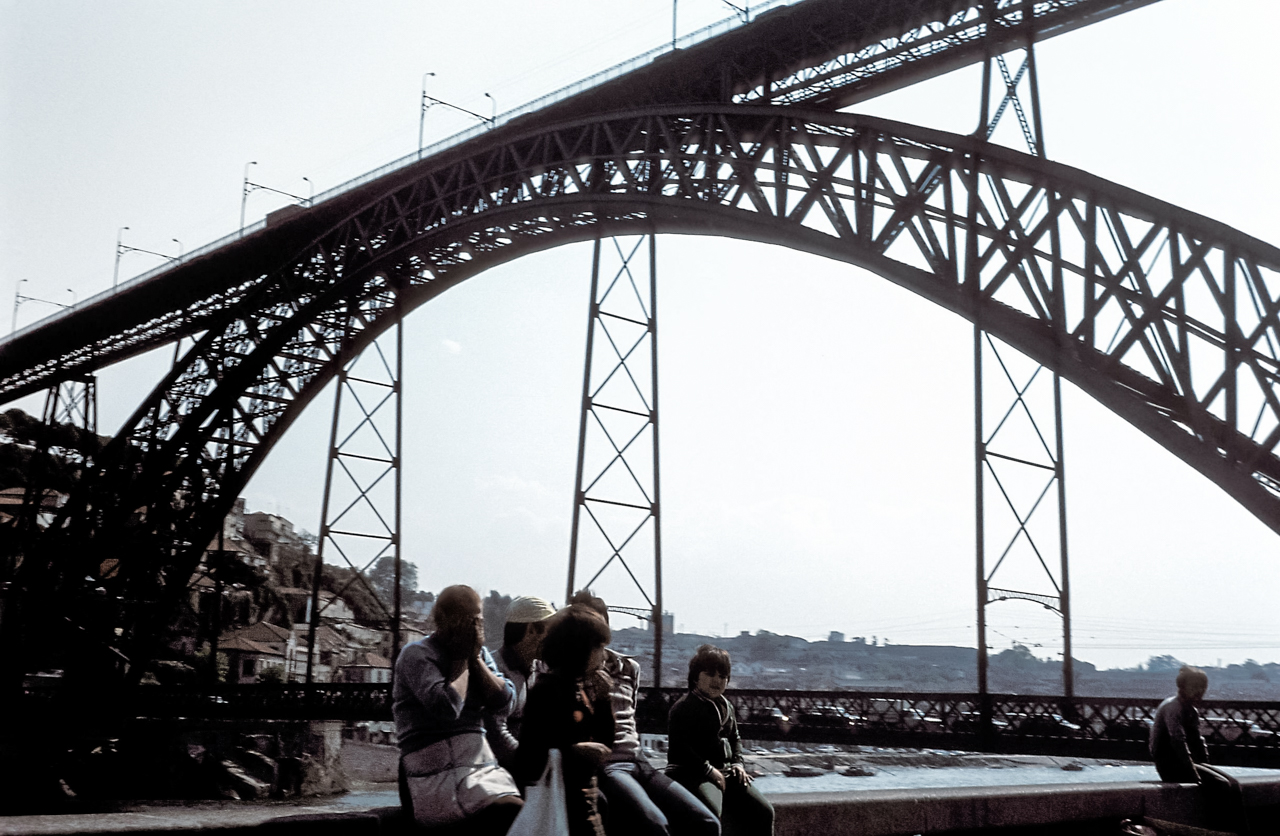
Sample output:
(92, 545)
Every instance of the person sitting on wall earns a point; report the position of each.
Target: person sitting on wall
(1178, 749)
(527, 619)
(642, 801)
(568, 709)
(443, 685)
(705, 750)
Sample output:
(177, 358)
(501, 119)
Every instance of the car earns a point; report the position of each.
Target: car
(773, 718)
(826, 717)
(1232, 730)
(1043, 725)
(970, 722)
(1128, 728)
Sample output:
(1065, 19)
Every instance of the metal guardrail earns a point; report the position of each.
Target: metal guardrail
(1238, 732)
(594, 80)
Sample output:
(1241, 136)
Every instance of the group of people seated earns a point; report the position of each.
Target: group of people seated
(474, 731)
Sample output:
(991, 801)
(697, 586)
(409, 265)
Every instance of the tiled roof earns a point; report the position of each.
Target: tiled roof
(260, 632)
(240, 643)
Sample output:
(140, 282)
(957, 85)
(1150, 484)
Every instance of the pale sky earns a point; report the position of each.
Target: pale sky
(816, 420)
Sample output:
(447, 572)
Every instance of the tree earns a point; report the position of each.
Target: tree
(382, 577)
(1163, 664)
(495, 616)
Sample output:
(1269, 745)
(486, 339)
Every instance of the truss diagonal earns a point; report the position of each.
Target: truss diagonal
(1209, 394)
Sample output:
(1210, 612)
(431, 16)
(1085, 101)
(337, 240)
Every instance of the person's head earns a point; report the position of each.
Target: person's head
(459, 621)
(709, 670)
(526, 626)
(575, 641)
(1192, 683)
(587, 598)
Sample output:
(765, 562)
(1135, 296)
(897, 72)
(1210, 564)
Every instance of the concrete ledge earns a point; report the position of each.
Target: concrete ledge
(949, 810)
(870, 813)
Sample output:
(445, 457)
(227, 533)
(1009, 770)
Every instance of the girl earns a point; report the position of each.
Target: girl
(568, 709)
(705, 751)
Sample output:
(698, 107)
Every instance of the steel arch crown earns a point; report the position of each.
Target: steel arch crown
(1061, 257)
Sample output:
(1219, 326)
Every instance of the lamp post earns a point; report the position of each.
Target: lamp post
(250, 186)
(244, 193)
(74, 299)
(422, 111)
(17, 300)
(311, 193)
(115, 276)
(122, 248)
(493, 110)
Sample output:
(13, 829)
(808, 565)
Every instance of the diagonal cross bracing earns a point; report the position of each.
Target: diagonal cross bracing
(616, 510)
(1196, 368)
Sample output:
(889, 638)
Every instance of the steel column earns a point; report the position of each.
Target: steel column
(987, 460)
(364, 526)
(616, 483)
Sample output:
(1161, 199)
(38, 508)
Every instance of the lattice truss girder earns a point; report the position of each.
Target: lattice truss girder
(954, 31)
(819, 54)
(1169, 318)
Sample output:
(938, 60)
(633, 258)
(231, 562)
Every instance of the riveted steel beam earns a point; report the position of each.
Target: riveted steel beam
(1170, 319)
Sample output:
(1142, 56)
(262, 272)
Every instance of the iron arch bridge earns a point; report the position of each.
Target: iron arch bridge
(1166, 317)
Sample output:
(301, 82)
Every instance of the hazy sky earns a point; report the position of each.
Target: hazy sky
(816, 420)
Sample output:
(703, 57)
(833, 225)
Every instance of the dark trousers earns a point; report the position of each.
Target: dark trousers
(1223, 800)
(644, 802)
(742, 809)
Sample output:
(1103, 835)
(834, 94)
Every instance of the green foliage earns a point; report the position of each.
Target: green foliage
(21, 438)
(271, 675)
(367, 608)
(1164, 664)
(495, 616)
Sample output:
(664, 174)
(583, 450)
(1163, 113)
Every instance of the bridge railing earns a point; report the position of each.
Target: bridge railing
(594, 80)
(1239, 732)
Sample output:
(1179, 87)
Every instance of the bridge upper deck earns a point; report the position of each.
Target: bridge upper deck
(823, 54)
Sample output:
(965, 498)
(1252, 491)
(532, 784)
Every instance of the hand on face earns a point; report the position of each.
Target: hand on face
(463, 635)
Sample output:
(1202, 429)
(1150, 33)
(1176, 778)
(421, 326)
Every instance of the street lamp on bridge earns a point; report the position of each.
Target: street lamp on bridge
(18, 299)
(428, 101)
(122, 248)
(249, 186)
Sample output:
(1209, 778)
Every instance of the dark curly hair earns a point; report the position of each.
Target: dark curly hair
(573, 634)
(708, 659)
(589, 599)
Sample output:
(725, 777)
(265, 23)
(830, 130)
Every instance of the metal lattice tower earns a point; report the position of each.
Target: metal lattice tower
(360, 514)
(1018, 444)
(616, 509)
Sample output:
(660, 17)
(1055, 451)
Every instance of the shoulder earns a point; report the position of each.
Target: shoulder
(415, 653)
(685, 706)
(618, 663)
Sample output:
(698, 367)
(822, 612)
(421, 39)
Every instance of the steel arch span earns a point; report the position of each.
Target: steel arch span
(1166, 317)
